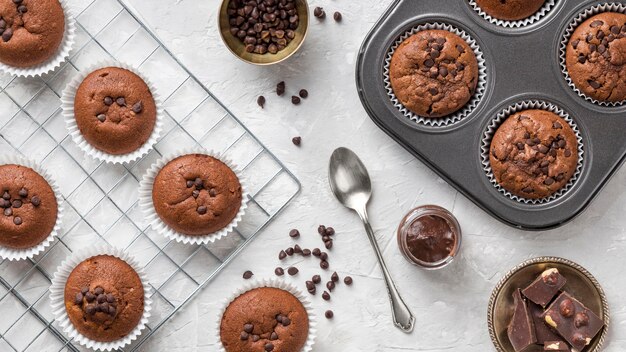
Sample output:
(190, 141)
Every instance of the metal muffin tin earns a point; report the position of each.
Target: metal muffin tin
(580, 283)
(522, 64)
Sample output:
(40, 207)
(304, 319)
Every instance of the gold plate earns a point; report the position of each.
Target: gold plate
(238, 49)
(580, 283)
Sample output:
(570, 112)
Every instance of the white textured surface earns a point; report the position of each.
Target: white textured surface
(450, 304)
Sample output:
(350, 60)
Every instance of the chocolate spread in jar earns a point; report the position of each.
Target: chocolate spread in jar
(430, 238)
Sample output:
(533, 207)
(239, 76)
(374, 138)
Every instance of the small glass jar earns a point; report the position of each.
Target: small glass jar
(429, 231)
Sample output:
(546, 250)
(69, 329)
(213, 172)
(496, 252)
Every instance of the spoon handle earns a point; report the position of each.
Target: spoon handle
(402, 316)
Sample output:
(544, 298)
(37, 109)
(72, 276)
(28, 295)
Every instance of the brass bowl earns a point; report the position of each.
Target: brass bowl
(580, 283)
(238, 49)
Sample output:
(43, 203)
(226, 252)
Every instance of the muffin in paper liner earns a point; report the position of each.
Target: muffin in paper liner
(543, 11)
(495, 124)
(569, 31)
(67, 104)
(20, 254)
(272, 282)
(63, 52)
(465, 110)
(147, 206)
(57, 296)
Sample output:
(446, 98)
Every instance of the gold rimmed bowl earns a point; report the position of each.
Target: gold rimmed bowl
(580, 283)
(238, 48)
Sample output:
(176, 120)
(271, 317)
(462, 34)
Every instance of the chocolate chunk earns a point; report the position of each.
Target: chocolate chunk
(17, 203)
(8, 212)
(98, 290)
(79, 298)
(101, 117)
(101, 298)
(295, 100)
(261, 101)
(279, 271)
(596, 24)
(280, 88)
(110, 298)
(559, 317)
(347, 280)
(121, 101)
(329, 314)
(292, 270)
(23, 193)
(248, 328)
(286, 321)
(108, 101)
(296, 141)
(22, 9)
(545, 287)
(189, 183)
(202, 210)
(593, 84)
(303, 93)
(274, 336)
(248, 274)
(138, 107)
(521, 330)
(7, 34)
(316, 279)
(337, 16)
(244, 336)
(90, 297)
(6, 196)
(555, 345)
(319, 12)
(543, 332)
(17, 220)
(90, 309)
(326, 296)
(255, 338)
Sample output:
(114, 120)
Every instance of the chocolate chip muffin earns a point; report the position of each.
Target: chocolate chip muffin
(31, 31)
(510, 10)
(114, 110)
(196, 194)
(264, 319)
(596, 57)
(434, 73)
(28, 207)
(534, 153)
(104, 298)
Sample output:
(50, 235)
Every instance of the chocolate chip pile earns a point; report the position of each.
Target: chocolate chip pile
(137, 108)
(264, 26)
(8, 203)
(326, 234)
(198, 186)
(295, 100)
(96, 301)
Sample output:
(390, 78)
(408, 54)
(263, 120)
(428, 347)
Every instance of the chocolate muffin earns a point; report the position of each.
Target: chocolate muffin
(28, 207)
(264, 319)
(114, 110)
(434, 73)
(534, 153)
(510, 10)
(196, 194)
(31, 31)
(104, 298)
(596, 57)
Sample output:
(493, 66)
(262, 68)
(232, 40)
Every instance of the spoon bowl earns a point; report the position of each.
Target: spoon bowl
(349, 179)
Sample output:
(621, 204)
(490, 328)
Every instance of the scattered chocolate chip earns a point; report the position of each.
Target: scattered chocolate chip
(319, 12)
(326, 296)
(347, 280)
(324, 256)
(310, 285)
(280, 88)
(290, 251)
(279, 271)
(292, 270)
(261, 101)
(306, 252)
(324, 264)
(202, 210)
(248, 274)
(334, 277)
(317, 252)
(108, 101)
(120, 101)
(337, 16)
(329, 314)
(330, 285)
(321, 230)
(297, 249)
(330, 231)
(316, 279)
(101, 117)
(138, 107)
(296, 141)
(295, 100)
(303, 93)
(282, 255)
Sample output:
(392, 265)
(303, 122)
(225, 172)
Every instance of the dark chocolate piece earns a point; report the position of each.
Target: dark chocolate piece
(521, 330)
(542, 331)
(573, 321)
(556, 346)
(545, 287)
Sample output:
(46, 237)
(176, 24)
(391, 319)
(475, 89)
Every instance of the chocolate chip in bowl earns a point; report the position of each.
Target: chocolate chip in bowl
(555, 280)
(263, 32)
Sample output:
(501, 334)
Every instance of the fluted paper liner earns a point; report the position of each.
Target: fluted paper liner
(495, 124)
(63, 52)
(20, 254)
(273, 282)
(541, 13)
(462, 113)
(57, 296)
(67, 103)
(569, 31)
(147, 206)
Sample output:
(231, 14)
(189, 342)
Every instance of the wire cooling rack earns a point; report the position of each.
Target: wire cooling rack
(101, 199)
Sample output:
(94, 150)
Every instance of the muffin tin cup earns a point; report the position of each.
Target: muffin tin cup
(147, 206)
(21, 254)
(57, 296)
(569, 31)
(471, 104)
(543, 11)
(272, 282)
(67, 104)
(63, 52)
(495, 124)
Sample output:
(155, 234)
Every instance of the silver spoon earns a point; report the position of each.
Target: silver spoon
(351, 184)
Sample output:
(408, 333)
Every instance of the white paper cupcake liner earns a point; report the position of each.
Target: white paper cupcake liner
(273, 282)
(147, 206)
(63, 52)
(495, 124)
(57, 296)
(541, 13)
(569, 31)
(20, 254)
(67, 103)
(456, 116)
